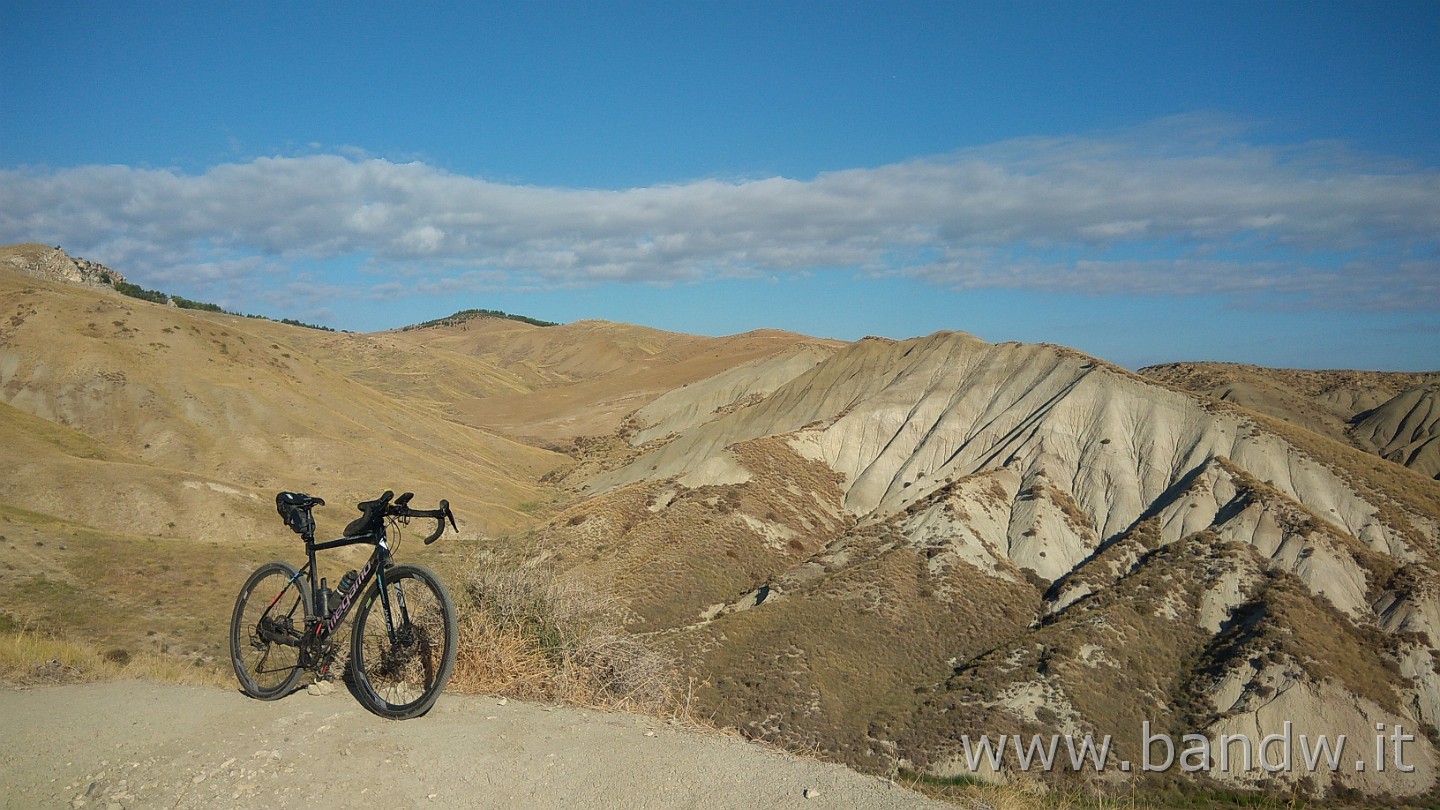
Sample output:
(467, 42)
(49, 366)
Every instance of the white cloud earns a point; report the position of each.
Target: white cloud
(1149, 212)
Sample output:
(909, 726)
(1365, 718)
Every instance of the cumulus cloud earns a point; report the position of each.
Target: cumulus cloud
(1303, 225)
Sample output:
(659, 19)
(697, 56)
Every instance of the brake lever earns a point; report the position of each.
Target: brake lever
(445, 514)
(445, 507)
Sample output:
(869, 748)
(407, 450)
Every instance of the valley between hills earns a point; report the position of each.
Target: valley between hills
(865, 550)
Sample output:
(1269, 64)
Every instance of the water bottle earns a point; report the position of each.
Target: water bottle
(346, 583)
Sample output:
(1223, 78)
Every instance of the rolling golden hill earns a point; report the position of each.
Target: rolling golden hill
(870, 550)
(144, 445)
(585, 378)
(142, 440)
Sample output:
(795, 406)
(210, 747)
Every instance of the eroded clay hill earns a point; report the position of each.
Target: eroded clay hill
(1405, 429)
(1392, 414)
(879, 550)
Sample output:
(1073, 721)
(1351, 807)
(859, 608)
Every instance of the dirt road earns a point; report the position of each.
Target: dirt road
(135, 744)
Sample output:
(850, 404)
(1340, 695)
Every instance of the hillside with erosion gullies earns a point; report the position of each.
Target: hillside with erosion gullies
(867, 550)
(911, 541)
(1392, 414)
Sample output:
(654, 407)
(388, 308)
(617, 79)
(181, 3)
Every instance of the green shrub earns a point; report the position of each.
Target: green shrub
(136, 291)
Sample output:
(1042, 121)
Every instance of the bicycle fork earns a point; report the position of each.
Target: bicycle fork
(395, 640)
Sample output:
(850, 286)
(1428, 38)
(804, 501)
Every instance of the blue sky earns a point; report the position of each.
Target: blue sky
(1250, 182)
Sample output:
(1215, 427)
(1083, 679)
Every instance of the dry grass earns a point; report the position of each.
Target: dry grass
(673, 552)
(28, 658)
(1398, 493)
(834, 665)
(977, 795)
(526, 633)
(161, 421)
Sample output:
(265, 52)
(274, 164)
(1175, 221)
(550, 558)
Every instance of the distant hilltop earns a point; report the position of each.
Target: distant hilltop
(54, 264)
(466, 315)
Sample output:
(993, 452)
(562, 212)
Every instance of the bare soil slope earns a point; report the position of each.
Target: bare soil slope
(1405, 429)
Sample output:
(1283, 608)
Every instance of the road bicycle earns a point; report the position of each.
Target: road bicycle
(402, 645)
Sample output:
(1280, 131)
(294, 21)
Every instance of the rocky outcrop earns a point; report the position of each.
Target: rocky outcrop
(54, 264)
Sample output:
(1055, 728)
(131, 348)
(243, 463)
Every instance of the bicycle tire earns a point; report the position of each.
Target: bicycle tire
(403, 677)
(275, 593)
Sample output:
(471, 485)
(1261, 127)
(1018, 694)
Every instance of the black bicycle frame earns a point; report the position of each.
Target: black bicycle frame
(318, 627)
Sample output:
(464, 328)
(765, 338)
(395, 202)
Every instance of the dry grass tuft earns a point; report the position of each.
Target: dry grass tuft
(527, 633)
(32, 659)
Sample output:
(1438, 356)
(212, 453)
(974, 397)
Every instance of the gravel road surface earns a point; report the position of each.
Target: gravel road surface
(134, 744)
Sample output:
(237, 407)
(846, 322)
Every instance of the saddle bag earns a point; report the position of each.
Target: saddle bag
(294, 509)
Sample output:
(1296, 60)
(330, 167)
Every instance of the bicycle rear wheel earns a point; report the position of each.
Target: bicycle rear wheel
(266, 628)
(399, 667)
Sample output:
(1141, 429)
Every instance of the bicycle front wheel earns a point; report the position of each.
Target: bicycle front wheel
(266, 628)
(400, 662)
